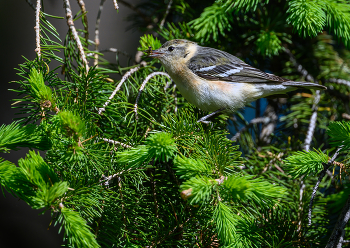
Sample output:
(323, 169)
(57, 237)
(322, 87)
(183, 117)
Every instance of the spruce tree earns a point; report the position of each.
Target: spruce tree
(124, 163)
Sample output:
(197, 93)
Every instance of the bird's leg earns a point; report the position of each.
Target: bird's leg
(203, 119)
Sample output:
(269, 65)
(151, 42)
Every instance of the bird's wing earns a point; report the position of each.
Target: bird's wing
(213, 64)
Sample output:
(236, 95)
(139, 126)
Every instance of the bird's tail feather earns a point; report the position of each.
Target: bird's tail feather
(307, 85)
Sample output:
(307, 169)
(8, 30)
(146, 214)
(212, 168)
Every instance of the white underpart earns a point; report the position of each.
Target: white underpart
(230, 72)
(207, 68)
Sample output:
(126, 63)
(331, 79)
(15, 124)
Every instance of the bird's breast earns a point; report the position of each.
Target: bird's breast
(212, 95)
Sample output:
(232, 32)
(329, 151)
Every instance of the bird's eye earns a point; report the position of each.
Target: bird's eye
(171, 48)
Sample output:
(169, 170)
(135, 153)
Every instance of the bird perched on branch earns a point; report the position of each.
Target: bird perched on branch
(214, 80)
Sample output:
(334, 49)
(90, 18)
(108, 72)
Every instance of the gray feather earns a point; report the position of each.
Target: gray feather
(305, 85)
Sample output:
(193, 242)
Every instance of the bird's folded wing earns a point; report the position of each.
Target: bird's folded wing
(226, 67)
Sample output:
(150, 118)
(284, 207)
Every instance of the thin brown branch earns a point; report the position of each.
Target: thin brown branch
(71, 26)
(124, 78)
(85, 20)
(37, 28)
(97, 31)
(153, 74)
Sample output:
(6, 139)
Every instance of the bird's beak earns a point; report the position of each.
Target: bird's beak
(154, 53)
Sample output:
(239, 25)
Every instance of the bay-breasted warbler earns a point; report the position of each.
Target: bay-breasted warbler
(214, 80)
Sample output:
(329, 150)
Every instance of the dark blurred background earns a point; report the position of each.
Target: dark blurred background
(21, 226)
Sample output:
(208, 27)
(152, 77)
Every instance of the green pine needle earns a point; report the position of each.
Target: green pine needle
(161, 146)
(339, 133)
(77, 232)
(72, 124)
(305, 163)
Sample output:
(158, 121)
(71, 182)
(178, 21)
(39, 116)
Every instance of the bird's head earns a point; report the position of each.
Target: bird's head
(174, 51)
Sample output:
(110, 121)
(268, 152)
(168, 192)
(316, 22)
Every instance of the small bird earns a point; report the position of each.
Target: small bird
(215, 80)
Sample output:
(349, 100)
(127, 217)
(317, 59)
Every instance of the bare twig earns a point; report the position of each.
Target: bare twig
(70, 24)
(124, 78)
(253, 121)
(313, 118)
(86, 27)
(341, 239)
(37, 28)
(97, 31)
(268, 127)
(116, 143)
(115, 4)
(107, 179)
(320, 177)
(339, 81)
(153, 74)
(338, 230)
(299, 67)
(301, 193)
(166, 14)
(312, 125)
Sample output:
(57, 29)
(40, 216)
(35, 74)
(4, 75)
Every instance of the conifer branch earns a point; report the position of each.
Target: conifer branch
(107, 179)
(124, 78)
(155, 201)
(144, 84)
(86, 27)
(71, 26)
(37, 28)
(97, 31)
(116, 143)
(115, 4)
(174, 93)
(320, 177)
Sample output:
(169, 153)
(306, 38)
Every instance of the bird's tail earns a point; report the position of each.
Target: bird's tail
(307, 85)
